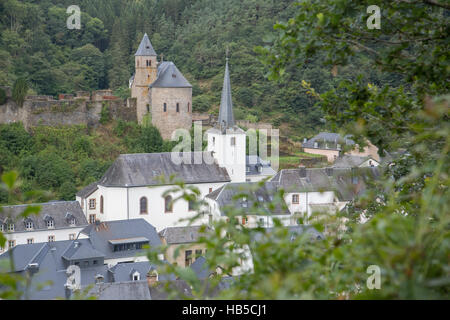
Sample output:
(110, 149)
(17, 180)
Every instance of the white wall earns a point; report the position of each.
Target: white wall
(228, 156)
(39, 236)
(307, 198)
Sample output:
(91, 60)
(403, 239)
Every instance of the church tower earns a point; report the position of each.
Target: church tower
(226, 141)
(146, 67)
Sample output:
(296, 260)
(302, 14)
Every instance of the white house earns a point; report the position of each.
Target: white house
(57, 221)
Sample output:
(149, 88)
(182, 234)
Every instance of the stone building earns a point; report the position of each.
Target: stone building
(161, 90)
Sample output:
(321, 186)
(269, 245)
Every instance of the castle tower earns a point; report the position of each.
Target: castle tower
(146, 69)
(226, 140)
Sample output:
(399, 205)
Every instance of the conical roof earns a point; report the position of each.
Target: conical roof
(145, 48)
(226, 116)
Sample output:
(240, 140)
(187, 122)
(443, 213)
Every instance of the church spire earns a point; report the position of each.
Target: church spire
(145, 48)
(226, 117)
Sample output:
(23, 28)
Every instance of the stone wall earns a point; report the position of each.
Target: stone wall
(43, 110)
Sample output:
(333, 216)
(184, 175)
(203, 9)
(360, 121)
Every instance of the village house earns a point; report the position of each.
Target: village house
(351, 161)
(332, 145)
(58, 220)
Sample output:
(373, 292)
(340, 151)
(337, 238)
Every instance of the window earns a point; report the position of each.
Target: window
(72, 221)
(189, 105)
(191, 205)
(248, 168)
(150, 63)
(92, 204)
(143, 205)
(198, 253)
(29, 225)
(244, 220)
(92, 218)
(214, 141)
(101, 204)
(136, 276)
(51, 238)
(165, 107)
(1, 227)
(233, 141)
(72, 236)
(11, 227)
(50, 223)
(261, 221)
(148, 107)
(95, 262)
(210, 190)
(11, 243)
(295, 198)
(168, 205)
(178, 107)
(30, 241)
(187, 258)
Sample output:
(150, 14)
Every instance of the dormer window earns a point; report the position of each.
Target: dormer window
(72, 222)
(50, 223)
(29, 225)
(136, 276)
(11, 227)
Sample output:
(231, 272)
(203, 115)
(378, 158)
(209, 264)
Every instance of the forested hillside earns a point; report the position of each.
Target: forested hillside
(36, 44)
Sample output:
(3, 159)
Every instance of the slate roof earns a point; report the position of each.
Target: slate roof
(124, 271)
(294, 231)
(350, 161)
(81, 249)
(60, 211)
(254, 162)
(226, 116)
(88, 190)
(130, 290)
(174, 235)
(345, 182)
(257, 196)
(145, 47)
(101, 234)
(169, 77)
(329, 139)
(200, 268)
(145, 169)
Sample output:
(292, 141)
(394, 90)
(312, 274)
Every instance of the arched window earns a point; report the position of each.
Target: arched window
(168, 205)
(143, 205)
(101, 204)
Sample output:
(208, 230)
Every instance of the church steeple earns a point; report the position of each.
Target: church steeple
(226, 116)
(145, 48)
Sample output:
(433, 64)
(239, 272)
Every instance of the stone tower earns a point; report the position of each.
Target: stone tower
(161, 90)
(226, 140)
(146, 67)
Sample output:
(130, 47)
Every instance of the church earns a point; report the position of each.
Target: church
(163, 95)
(132, 188)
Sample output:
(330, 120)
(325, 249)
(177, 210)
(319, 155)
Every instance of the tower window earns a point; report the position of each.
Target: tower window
(143, 206)
(101, 204)
(188, 106)
(165, 107)
(168, 204)
(148, 107)
(233, 141)
(178, 107)
(150, 63)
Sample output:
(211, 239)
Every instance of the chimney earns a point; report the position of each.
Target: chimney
(302, 171)
(152, 278)
(329, 171)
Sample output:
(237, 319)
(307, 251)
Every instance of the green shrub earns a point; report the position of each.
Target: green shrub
(19, 91)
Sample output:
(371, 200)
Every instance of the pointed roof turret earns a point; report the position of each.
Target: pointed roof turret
(226, 117)
(145, 48)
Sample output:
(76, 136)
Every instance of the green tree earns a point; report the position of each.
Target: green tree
(19, 91)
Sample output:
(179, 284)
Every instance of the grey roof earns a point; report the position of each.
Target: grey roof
(145, 47)
(254, 163)
(124, 271)
(81, 249)
(328, 139)
(169, 77)
(200, 268)
(130, 290)
(257, 198)
(88, 190)
(60, 211)
(226, 116)
(350, 161)
(345, 182)
(100, 236)
(188, 234)
(294, 231)
(145, 169)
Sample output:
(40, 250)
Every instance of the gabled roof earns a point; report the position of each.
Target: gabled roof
(122, 272)
(169, 77)
(350, 161)
(329, 139)
(88, 190)
(145, 169)
(256, 196)
(60, 211)
(226, 116)
(174, 235)
(345, 182)
(145, 47)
